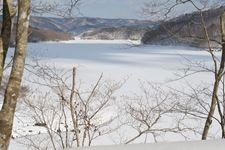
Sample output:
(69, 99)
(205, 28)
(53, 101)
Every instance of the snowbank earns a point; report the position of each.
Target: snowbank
(194, 145)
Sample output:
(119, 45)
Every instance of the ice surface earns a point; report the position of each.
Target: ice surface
(119, 60)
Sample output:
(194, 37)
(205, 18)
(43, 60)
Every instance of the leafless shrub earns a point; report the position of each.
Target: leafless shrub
(154, 113)
(70, 115)
(217, 61)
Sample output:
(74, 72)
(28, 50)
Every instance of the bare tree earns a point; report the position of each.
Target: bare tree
(20, 10)
(13, 86)
(218, 63)
(65, 8)
(153, 114)
(73, 117)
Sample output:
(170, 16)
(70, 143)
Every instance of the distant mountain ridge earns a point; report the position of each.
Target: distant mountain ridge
(60, 29)
(187, 30)
(93, 28)
(183, 30)
(79, 25)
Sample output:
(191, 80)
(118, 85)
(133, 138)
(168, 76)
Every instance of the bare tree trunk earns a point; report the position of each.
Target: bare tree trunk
(8, 13)
(72, 108)
(13, 87)
(220, 108)
(223, 107)
(222, 23)
(222, 123)
(211, 111)
(218, 77)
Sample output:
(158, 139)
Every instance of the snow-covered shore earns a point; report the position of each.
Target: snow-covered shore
(188, 145)
(194, 145)
(98, 41)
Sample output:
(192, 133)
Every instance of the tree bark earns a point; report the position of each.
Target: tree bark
(9, 12)
(73, 110)
(218, 77)
(13, 87)
(211, 111)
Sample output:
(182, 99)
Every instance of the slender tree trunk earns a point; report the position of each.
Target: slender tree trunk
(13, 87)
(221, 113)
(9, 12)
(222, 22)
(223, 118)
(222, 124)
(211, 111)
(218, 77)
(73, 108)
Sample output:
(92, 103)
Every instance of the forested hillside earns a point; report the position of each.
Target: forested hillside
(186, 29)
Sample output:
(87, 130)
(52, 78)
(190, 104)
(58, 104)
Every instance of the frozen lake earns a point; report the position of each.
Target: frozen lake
(117, 61)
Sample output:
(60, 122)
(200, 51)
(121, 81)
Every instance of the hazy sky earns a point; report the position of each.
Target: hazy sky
(129, 8)
(113, 8)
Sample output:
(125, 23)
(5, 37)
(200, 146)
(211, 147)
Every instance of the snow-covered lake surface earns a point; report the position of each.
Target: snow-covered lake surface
(119, 60)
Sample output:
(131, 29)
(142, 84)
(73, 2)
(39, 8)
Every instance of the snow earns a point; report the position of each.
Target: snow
(194, 145)
(119, 60)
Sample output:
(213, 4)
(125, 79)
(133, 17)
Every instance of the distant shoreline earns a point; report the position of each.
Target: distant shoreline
(97, 41)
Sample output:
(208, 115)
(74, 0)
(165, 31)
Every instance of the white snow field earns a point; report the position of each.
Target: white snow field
(194, 145)
(119, 60)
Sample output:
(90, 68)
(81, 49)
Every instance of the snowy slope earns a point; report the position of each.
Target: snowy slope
(196, 145)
